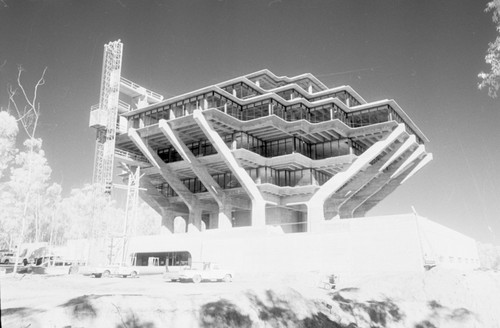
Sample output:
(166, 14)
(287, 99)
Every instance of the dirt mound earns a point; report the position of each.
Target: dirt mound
(421, 300)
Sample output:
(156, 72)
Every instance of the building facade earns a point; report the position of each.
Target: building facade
(267, 167)
(267, 150)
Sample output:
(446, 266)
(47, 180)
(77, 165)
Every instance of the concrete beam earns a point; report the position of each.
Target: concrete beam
(419, 166)
(356, 199)
(200, 170)
(416, 154)
(258, 202)
(381, 193)
(169, 175)
(406, 146)
(315, 206)
(391, 182)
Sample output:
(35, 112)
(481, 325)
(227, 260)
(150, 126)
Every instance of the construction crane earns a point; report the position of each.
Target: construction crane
(106, 119)
(105, 116)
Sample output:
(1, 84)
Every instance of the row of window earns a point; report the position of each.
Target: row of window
(281, 178)
(246, 112)
(268, 107)
(164, 258)
(242, 90)
(242, 140)
(306, 84)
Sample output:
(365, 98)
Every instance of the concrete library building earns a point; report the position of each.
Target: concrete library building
(266, 171)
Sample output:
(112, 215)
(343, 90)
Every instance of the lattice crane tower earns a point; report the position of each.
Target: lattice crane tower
(107, 113)
(105, 116)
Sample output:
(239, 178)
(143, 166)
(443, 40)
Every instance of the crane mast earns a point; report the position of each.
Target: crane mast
(107, 113)
(106, 119)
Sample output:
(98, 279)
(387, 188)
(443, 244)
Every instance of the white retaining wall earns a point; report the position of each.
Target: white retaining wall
(357, 246)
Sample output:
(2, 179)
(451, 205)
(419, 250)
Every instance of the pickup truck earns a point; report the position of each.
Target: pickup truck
(200, 271)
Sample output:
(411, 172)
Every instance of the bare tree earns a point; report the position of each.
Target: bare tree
(28, 114)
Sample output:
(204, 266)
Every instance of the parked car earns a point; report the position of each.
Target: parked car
(113, 270)
(55, 265)
(172, 273)
(8, 258)
(200, 271)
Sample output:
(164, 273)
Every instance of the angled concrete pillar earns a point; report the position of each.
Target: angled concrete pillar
(388, 182)
(258, 202)
(194, 220)
(412, 140)
(420, 165)
(199, 169)
(169, 175)
(415, 155)
(167, 222)
(225, 216)
(213, 220)
(315, 206)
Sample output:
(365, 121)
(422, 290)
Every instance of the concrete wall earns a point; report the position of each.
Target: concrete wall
(286, 218)
(448, 247)
(352, 247)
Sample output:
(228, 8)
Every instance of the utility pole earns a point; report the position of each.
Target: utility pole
(131, 207)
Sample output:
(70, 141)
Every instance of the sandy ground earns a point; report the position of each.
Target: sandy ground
(422, 300)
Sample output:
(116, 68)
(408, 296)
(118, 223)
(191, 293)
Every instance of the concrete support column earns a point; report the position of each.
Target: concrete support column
(213, 220)
(194, 221)
(258, 202)
(167, 222)
(315, 216)
(258, 213)
(316, 203)
(225, 216)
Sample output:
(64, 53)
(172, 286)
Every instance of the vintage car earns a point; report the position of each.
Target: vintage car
(113, 270)
(205, 271)
(54, 265)
(8, 257)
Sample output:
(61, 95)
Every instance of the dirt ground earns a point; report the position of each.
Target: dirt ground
(422, 300)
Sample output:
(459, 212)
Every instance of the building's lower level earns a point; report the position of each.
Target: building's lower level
(368, 245)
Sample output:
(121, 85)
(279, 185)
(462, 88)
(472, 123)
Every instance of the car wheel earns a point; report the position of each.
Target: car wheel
(133, 274)
(197, 279)
(106, 274)
(6, 262)
(97, 275)
(227, 278)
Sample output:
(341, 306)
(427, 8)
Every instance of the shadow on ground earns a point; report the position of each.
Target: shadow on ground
(20, 311)
(379, 312)
(272, 310)
(439, 313)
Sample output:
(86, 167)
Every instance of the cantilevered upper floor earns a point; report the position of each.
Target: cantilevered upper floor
(261, 148)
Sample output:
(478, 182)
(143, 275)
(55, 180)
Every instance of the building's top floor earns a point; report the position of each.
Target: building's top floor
(304, 91)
